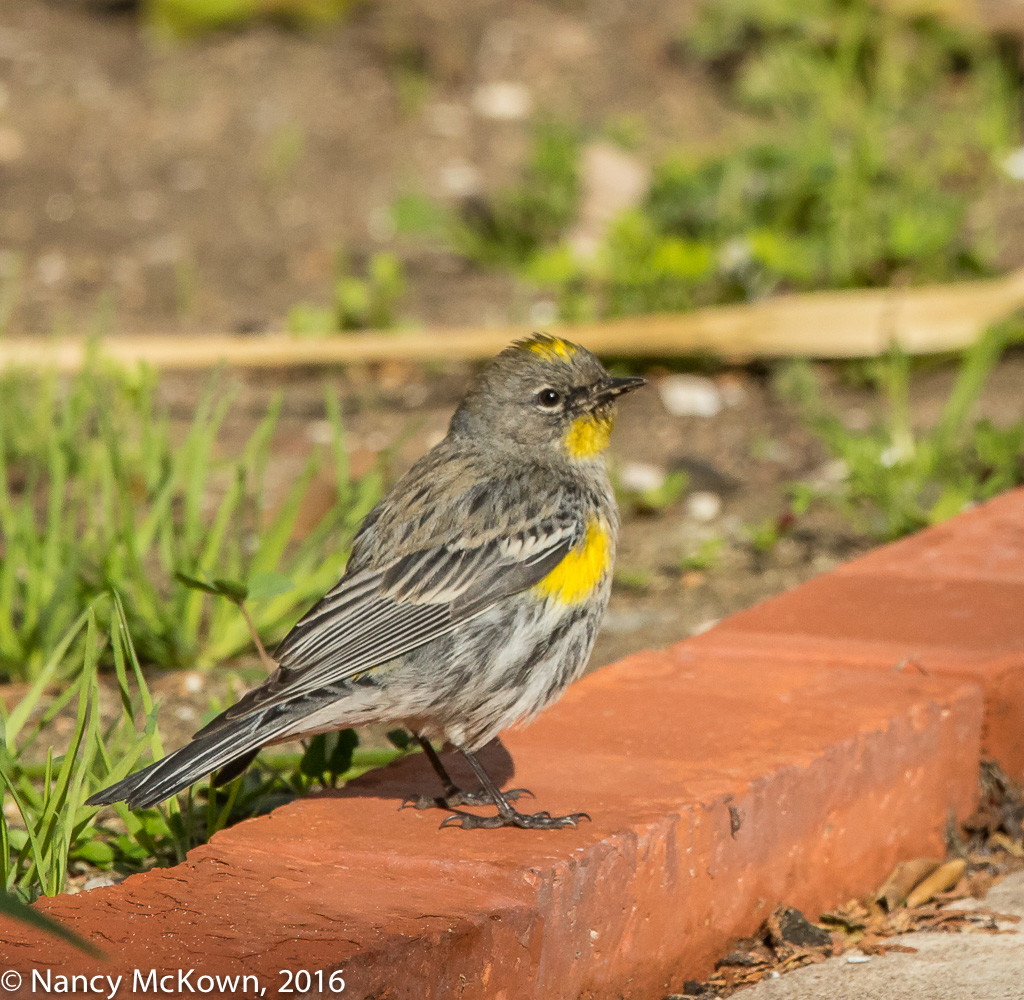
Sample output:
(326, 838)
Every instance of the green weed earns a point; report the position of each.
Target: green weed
(96, 494)
(58, 833)
(875, 132)
(513, 225)
(636, 580)
(417, 215)
(898, 478)
(16, 908)
(186, 18)
(706, 556)
(764, 535)
(49, 791)
(285, 149)
(360, 303)
(652, 501)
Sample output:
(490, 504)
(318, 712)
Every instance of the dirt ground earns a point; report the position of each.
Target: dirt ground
(150, 184)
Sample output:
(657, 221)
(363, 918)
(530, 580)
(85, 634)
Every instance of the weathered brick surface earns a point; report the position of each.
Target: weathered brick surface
(948, 602)
(717, 787)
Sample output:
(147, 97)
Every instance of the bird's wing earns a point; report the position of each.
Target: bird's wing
(374, 615)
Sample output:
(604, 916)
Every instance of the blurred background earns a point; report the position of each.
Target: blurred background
(244, 165)
(323, 167)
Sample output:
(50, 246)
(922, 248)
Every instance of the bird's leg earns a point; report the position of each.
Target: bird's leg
(507, 814)
(453, 795)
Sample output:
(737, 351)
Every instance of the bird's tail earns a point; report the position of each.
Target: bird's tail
(215, 747)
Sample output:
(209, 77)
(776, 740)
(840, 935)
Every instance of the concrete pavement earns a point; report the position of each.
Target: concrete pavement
(968, 966)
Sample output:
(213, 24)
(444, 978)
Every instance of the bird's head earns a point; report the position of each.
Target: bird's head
(543, 393)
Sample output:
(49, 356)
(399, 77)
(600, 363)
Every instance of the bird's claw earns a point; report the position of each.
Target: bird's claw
(524, 821)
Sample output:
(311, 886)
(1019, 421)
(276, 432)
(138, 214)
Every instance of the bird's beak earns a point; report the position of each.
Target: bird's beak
(609, 389)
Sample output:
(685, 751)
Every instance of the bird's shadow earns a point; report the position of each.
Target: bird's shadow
(412, 775)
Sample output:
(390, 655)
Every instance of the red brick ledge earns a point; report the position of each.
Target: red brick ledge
(946, 603)
(795, 752)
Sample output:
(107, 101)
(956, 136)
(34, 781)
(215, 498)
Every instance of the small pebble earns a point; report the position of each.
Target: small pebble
(642, 477)
(1013, 165)
(460, 179)
(892, 455)
(612, 181)
(320, 432)
(735, 255)
(831, 473)
(857, 959)
(774, 451)
(856, 418)
(503, 101)
(543, 313)
(703, 506)
(12, 145)
(193, 682)
(690, 396)
(98, 882)
(732, 391)
(51, 268)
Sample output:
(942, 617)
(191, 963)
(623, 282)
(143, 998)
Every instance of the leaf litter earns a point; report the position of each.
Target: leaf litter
(920, 894)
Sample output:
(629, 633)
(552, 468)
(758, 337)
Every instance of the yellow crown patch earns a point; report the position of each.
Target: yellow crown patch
(551, 348)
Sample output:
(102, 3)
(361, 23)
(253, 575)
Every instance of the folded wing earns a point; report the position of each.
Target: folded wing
(374, 615)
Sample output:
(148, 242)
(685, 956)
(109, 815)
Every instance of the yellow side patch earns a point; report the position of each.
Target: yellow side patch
(552, 348)
(575, 577)
(589, 435)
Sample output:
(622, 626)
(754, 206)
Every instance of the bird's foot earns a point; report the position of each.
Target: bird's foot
(511, 817)
(458, 797)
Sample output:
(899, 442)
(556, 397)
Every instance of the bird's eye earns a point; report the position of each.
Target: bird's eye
(548, 399)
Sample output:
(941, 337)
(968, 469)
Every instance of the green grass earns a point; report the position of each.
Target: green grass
(187, 18)
(898, 477)
(360, 302)
(652, 501)
(55, 832)
(705, 556)
(48, 790)
(97, 494)
(511, 227)
(129, 544)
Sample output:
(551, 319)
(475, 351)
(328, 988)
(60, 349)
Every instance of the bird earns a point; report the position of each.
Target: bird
(471, 598)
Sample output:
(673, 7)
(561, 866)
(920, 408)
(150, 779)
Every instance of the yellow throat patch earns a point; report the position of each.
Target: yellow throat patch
(589, 435)
(573, 580)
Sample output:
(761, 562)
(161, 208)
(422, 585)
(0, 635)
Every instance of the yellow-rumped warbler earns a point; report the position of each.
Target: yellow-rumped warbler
(472, 597)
